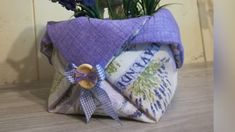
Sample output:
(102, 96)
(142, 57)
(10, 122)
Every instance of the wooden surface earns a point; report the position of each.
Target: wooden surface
(23, 109)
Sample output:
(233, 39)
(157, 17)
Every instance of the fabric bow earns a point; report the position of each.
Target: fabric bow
(91, 95)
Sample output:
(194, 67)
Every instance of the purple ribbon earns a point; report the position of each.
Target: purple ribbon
(88, 98)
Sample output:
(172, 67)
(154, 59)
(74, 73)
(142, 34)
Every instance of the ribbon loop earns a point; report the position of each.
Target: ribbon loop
(87, 103)
(95, 75)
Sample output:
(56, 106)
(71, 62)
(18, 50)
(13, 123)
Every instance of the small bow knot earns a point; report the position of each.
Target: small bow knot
(89, 80)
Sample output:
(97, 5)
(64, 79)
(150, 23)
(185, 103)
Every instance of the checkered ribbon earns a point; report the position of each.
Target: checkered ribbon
(88, 97)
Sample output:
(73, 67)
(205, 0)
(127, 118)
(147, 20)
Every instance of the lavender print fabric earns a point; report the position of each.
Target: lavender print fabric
(145, 98)
(140, 81)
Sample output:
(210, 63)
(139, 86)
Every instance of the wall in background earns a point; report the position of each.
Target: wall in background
(22, 24)
(18, 61)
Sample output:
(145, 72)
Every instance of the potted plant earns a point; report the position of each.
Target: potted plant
(121, 66)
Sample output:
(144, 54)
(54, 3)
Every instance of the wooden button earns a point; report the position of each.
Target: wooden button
(87, 84)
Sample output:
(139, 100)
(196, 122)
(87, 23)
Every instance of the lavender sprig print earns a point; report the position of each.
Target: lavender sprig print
(112, 67)
(147, 82)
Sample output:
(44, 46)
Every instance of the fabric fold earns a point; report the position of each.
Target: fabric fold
(94, 41)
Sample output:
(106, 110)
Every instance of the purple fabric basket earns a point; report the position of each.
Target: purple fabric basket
(99, 42)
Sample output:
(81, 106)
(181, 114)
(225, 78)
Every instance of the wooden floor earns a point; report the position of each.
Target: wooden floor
(23, 109)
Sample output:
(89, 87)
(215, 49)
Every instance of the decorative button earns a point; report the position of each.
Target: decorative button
(90, 80)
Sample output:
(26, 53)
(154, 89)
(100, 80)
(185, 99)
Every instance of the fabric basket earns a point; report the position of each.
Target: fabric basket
(140, 58)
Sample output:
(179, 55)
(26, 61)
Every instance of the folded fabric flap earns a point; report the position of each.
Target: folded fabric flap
(95, 41)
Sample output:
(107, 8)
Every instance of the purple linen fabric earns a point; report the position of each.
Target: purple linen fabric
(94, 41)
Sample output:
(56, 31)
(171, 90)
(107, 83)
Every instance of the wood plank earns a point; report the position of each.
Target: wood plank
(46, 11)
(186, 14)
(206, 19)
(17, 48)
(23, 109)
